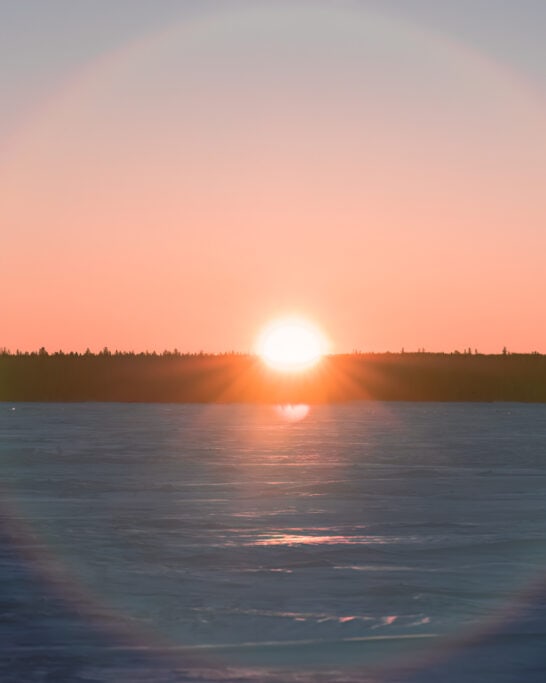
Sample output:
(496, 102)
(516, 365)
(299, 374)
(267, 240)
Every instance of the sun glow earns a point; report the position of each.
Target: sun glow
(291, 345)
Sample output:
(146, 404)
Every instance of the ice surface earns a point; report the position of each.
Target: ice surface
(365, 542)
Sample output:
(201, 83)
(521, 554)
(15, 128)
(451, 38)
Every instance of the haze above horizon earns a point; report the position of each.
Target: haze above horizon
(179, 174)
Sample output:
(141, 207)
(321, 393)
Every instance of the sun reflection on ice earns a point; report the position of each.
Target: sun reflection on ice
(305, 539)
(293, 412)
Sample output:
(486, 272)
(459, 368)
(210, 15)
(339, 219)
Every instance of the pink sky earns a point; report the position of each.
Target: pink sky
(373, 176)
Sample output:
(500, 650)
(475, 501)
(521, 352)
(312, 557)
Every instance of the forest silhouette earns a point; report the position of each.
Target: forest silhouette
(174, 377)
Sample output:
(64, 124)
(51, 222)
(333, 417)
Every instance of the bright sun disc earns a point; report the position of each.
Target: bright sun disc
(291, 345)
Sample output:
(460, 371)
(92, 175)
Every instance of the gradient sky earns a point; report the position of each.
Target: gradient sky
(176, 174)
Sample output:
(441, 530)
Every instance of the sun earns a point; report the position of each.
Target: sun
(291, 344)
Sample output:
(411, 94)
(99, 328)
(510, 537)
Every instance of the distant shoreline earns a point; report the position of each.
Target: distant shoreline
(239, 378)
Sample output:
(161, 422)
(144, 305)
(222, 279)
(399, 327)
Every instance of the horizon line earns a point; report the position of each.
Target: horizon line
(175, 352)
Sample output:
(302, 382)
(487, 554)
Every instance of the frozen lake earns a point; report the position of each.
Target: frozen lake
(366, 542)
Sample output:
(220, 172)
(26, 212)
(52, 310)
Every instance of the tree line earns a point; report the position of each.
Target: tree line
(173, 376)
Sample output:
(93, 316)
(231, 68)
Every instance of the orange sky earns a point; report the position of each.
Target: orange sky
(318, 159)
